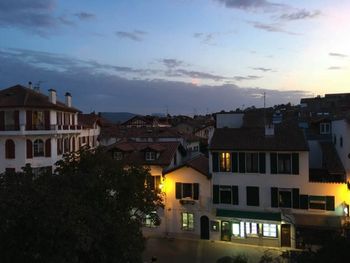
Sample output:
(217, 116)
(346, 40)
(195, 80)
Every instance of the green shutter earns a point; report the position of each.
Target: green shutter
(330, 203)
(2, 120)
(296, 199)
(215, 194)
(304, 202)
(274, 197)
(178, 190)
(242, 162)
(234, 162)
(195, 191)
(295, 163)
(273, 162)
(235, 200)
(262, 163)
(215, 158)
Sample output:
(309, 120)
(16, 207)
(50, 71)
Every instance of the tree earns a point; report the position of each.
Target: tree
(90, 210)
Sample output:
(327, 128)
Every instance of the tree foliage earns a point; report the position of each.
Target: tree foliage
(90, 210)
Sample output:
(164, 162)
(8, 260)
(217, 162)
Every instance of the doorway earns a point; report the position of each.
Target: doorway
(225, 231)
(285, 235)
(204, 227)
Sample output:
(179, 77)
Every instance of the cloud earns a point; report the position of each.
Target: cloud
(249, 77)
(262, 69)
(93, 89)
(135, 35)
(171, 63)
(275, 28)
(300, 15)
(252, 5)
(200, 75)
(205, 38)
(85, 16)
(337, 55)
(335, 68)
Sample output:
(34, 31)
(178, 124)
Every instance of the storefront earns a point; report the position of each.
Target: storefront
(256, 228)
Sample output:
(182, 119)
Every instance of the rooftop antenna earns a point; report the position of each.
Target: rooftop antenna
(37, 85)
(264, 96)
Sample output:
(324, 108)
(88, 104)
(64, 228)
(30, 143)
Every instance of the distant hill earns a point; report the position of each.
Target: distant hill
(117, 117)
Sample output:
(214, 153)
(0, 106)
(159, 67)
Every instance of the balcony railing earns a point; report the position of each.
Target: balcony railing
(11, 128)
(53, 127)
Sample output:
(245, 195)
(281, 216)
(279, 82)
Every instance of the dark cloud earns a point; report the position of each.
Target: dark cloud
(103, 91)
(85, 16)
(252, 4)
(300, 15)
(249, 77)
(275, 28)
(262, 69)
(171, 63)
(335, 68)
(337, 55)
(135, 35)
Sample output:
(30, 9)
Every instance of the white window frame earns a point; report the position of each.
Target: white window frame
(186, 223)
(150, 156)
(325, 128)
(270, 230)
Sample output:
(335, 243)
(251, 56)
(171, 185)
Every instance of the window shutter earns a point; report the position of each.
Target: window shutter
(273, 161)
(73, 144)
(235, 200)
(215, 194)
(262, 163)
(16, 120)
(215, 157)
(253, 196)
(2, 120)
(242, 162)
(10, 149)
(178, 190)
(48, 148)
(29, 122)
(295, 163)
(234, 162)
(195, 191)
(29, 149)
(296, 199)
(274, 197)
(304, 202)
(47, 119)
(330, 203)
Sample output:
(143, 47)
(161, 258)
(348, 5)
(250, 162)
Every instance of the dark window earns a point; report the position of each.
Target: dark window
(38, 148)
(215, 159)
(225, 194)
(284, 163)
(252, 162)
(285, 198)
(252, 196)
(341, 141)
(48, 148)
(154, 181)
(187, 190)
(66, 145)
(10, 149)
(150, 156)
(225, 162)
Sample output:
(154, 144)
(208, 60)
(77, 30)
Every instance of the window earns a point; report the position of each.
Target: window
(251, 228)
(325, 128)
(225, 194)
(10, 149)
(66, 145)
(187, 190)
(317, 202)
(335, 139)
(38, 148)
(150, 156)
(225, 162)
(285, 198)
(269, 230)
(38, 120)
(118, 155)
(154, 182)
(9, 119)
(284, 163)
(252, 162)
(42, 170)
(235, 229)
(252, 196)
(341, 141)
(187, 221)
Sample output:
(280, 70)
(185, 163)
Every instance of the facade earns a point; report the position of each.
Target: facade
(36, 129)
(146, 122)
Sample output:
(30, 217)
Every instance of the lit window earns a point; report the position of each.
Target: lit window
(187, 221)
(269, 230)
(38, 148)
(235, 229)
(225, 162)
(251, 228)
(150, 156)
(242, 229)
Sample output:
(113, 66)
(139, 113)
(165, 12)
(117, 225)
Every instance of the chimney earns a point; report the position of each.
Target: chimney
(269, 130)
(68, 99)
(30, 86)
(52, 96)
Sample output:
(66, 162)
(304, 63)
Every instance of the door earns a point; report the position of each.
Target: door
(204, 227)
(225, 231)
(285, 235)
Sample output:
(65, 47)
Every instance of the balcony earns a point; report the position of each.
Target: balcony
(10, 130)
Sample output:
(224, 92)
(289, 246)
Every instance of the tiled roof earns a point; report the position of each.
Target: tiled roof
(331, 159)
(134, 152)
(88, 120)
(286, 138)
(22, 97)
(123, 132)
(199, 163)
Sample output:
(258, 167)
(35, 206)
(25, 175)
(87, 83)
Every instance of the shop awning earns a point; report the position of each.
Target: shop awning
(248, 214)
(325, 221)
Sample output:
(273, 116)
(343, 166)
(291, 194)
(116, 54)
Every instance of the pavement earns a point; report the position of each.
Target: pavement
(171, 250)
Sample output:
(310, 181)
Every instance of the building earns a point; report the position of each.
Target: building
(146, 122)
(37, 129)
(261, 189)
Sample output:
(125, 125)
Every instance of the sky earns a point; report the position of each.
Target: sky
(176, 56)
